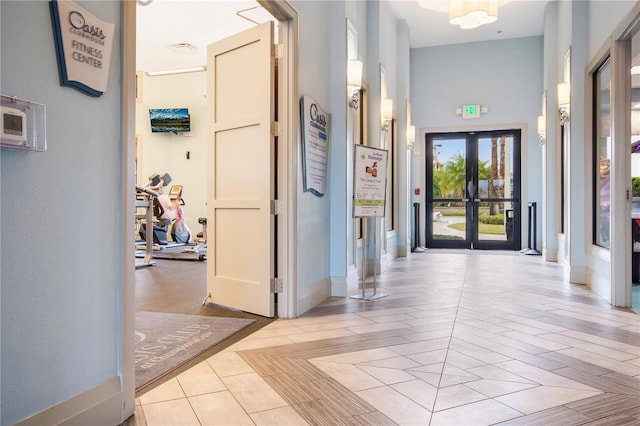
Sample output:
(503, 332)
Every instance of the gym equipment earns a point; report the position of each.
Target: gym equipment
(145, 199)
(201, 241)
(180, 233)
(164, 210)
(167, 220)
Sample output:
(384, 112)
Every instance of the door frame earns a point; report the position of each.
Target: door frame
(524, 169)
(621, 251)
(472, 146)
(287, 182)
(288, 153)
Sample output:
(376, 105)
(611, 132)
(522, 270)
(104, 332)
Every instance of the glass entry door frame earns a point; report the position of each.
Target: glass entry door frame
(473, 190)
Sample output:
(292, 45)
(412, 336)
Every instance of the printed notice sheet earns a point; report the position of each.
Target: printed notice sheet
(315, 146)
(370, 182)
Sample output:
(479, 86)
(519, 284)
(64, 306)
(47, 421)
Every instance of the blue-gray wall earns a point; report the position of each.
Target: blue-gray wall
(313, 212)
(61, 232)
(505, 75)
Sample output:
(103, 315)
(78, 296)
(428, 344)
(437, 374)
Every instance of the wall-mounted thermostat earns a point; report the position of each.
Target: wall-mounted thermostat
(13, 126)
(22, 124)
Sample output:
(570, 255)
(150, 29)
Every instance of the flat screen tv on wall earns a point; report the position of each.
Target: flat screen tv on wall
(170, 120)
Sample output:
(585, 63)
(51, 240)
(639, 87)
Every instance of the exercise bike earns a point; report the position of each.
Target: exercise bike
(169, 221)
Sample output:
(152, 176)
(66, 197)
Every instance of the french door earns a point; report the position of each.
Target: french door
(241, 180)
(473, 190)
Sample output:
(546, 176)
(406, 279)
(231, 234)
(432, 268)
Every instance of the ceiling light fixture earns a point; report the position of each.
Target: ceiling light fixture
(469, 14)
(175, 71)
(144, 2)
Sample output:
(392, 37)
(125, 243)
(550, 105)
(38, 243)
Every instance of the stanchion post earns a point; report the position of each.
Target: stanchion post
(416, 228)
(534, 236)
(416, 211)
(532, 227)
(529, 226)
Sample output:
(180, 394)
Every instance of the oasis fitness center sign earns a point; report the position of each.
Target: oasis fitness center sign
(83, 45)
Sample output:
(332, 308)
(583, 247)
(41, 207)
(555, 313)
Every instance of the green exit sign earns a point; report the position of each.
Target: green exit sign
(471, 111)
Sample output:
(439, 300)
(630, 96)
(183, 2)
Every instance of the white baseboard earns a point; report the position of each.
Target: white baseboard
(345, 286)
(550, 255)
(576, 274)
(313, 295)
(339, 286)
(101, 405)
(352, 280)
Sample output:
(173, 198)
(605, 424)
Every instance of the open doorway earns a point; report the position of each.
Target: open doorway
(171, 286)
(635, 226)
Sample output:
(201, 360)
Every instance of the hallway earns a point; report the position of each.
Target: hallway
(463, 338)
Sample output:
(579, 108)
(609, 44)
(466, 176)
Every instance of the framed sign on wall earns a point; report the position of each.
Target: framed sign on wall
(83, 45)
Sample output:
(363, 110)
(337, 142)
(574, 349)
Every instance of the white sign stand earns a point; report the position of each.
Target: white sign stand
(369, 201)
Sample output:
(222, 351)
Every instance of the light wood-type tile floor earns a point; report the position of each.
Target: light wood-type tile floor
(462, 338)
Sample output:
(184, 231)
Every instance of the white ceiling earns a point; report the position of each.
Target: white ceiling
(163, 23)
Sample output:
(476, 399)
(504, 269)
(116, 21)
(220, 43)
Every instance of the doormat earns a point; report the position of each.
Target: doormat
(166, 341)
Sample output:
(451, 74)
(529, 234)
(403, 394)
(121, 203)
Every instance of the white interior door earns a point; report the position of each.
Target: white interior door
(240, 187)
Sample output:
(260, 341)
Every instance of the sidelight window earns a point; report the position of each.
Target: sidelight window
(602, 155)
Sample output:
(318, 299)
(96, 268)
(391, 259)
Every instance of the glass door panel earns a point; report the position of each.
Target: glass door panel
(497, 198)
(492, 226)
(447, 203)
(634, 182)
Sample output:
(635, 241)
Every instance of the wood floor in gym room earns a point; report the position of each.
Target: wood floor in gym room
(463, 338)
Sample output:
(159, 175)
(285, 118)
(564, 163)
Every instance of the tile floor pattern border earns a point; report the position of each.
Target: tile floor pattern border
(462, 339)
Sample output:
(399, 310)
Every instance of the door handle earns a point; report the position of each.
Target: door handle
(471, 189)
(477, 200)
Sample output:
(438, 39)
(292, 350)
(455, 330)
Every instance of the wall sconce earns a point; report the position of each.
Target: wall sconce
(542, 128)
(354, 81)
(564, 100)
(387, 113)
(411, 135)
